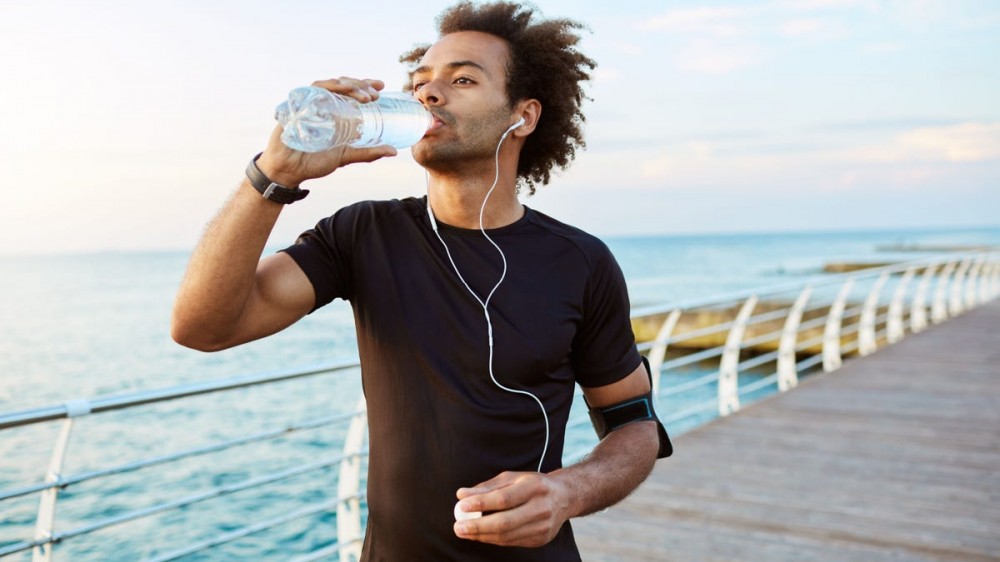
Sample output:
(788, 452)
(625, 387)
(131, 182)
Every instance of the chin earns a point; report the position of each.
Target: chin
(420, 152)
(434, 158)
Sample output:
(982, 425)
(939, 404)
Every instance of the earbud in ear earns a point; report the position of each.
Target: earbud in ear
(511, 128)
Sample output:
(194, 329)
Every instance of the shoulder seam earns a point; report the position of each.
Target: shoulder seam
(540, 222)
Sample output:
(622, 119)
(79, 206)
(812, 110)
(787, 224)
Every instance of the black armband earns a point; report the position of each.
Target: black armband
(638, 409)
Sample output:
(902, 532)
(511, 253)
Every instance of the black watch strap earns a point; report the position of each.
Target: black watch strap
(270, 190)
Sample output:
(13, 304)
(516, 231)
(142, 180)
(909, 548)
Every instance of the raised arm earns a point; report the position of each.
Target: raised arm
(230, 296)
(531, 507)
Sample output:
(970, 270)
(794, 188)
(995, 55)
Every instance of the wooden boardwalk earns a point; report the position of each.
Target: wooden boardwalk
(893, 457)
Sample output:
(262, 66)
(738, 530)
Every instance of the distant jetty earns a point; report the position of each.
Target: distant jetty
(852, 266)
(849, 267)
(938, 248)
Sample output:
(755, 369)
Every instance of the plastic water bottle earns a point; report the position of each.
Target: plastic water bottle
(315, 119)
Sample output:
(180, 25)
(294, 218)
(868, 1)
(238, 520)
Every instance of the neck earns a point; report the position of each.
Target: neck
(457, 199)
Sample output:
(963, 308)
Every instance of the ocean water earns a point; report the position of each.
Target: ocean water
(77, 326)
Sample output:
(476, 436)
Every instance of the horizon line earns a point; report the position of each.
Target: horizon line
(5, 254)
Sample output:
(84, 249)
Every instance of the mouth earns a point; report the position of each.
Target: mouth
(440, 121)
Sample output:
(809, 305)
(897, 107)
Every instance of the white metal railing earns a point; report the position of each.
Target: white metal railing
(815, 313)
(45, 536)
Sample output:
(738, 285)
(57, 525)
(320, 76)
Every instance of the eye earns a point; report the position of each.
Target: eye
(464, 80)
(418, 85)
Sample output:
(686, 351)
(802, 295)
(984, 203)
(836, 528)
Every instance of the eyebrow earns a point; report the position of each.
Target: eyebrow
(453, 66)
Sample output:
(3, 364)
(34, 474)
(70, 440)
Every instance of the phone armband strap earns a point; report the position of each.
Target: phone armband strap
(637, 409)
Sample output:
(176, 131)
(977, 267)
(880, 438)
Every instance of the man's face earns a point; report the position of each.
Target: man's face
(462, 80)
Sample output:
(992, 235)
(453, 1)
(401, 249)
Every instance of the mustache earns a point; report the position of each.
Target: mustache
(445, 116)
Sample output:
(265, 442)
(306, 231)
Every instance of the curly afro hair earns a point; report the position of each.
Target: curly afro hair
(544, 65)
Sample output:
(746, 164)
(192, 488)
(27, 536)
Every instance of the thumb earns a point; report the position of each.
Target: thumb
(370, 154)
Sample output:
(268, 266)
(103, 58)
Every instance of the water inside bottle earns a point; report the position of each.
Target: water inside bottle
(314, 120)
(396, 118)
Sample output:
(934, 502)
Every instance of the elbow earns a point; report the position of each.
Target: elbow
(193, 335)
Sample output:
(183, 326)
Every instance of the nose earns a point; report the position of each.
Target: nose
(430, 94)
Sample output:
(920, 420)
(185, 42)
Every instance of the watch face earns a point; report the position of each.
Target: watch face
(270, 190)
(282, 194)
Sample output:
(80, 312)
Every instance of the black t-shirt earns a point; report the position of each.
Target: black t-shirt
(437, 422)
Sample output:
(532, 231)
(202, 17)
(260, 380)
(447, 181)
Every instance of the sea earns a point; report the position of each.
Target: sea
(91, 325)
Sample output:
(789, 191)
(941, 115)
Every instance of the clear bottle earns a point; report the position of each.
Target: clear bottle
(316, 119)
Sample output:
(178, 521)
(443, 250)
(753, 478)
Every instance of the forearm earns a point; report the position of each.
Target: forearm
(229, 296)
(221, 274)
(616, 467)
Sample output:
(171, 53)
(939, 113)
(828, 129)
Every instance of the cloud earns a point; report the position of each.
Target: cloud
(815, 5)
(718, 21)
(884, 47)
(662, 164)
(657, 168)
(801, 27)
(967, 142)
(630, 49)
(903, 124)
(926, 15)
(919, 13)
(606, 74)
(960, 143)
(709, 57)
(815, 29)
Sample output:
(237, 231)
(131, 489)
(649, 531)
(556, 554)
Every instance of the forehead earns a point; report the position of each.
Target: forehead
(489, 51)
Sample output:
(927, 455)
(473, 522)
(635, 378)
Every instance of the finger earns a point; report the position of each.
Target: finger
(498, 481)
(361, 90)
(514, 495)
(377, 84)
(512, 528)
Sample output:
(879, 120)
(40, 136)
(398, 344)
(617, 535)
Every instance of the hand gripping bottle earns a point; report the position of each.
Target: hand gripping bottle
(316, 119)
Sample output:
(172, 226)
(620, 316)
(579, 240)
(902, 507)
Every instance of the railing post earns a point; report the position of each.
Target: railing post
(918, 311)
(996, 277)
(46, 520)
(867, 342)
(788, 375)
(729, 396)
(957, 304)
(659, 351)
(349, 512)
(994, 284)
(939, 310)
(972, 284)
(894, 326)
(986, 279)
(831, 333)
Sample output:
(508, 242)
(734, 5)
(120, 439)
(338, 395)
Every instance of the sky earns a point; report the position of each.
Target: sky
(126, 125)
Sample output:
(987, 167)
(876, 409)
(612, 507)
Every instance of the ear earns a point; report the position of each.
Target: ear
(531, 112)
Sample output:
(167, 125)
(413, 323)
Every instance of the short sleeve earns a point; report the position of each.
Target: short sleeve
(324, 255)
(604, 348)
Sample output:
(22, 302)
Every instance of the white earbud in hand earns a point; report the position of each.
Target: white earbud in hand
(466, 515)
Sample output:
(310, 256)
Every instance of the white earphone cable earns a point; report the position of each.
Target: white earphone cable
(485, 303)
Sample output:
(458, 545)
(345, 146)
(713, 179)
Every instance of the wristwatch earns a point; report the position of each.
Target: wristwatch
(270, 190)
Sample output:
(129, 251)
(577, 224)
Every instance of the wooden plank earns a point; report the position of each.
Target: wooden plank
(893, 457)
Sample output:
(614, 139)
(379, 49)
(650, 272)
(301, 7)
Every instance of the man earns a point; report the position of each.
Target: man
(469, 354)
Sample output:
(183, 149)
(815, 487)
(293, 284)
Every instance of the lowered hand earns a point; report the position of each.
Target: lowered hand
(520, 509)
